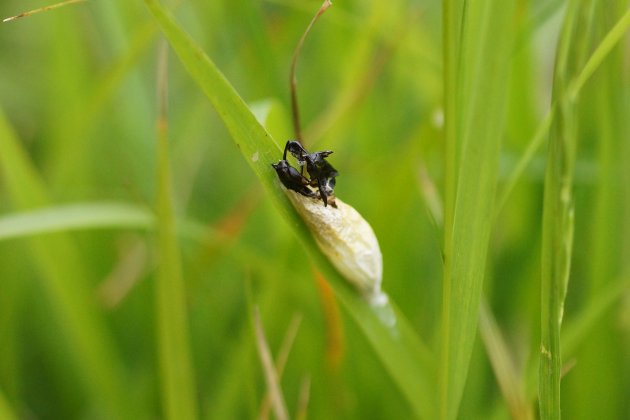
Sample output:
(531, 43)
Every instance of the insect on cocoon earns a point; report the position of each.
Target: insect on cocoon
(339, 230)
(345, 237)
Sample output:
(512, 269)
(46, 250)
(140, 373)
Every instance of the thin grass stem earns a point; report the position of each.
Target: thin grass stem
(41, 9)
(178, 384)
(293, 78)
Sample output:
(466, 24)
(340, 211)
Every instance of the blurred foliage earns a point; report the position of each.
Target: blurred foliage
(78, 110)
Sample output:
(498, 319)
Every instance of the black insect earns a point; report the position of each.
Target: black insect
(292, 179)
(321, 173)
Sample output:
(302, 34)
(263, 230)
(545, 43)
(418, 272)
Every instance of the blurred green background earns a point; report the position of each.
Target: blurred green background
(77, 308)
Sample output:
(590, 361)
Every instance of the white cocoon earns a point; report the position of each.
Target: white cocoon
(347, 240)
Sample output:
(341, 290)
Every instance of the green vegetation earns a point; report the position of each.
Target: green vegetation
(151, 267)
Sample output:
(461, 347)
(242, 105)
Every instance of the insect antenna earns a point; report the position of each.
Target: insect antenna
(293, 80)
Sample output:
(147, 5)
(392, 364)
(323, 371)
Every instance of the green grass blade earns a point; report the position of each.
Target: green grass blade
(601, 52)
(557, 235)
(251, 138)
(404, 356)
(483, 66)
(74, 217)
(178, 384)
(400, 350)
(612, 38)
(538, 139)
(581, 326)
(451, 21)
(89, 216)
(64, 283)
(598, 357)
(110, 83)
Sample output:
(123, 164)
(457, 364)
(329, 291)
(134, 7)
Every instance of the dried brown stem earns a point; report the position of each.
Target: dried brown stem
(293, 80)
(271, 376)
(41, 9)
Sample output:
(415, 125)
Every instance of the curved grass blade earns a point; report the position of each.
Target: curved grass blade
(88, 216)
(74, 217)
(400, 349)
(604, 48)
(600, 53)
